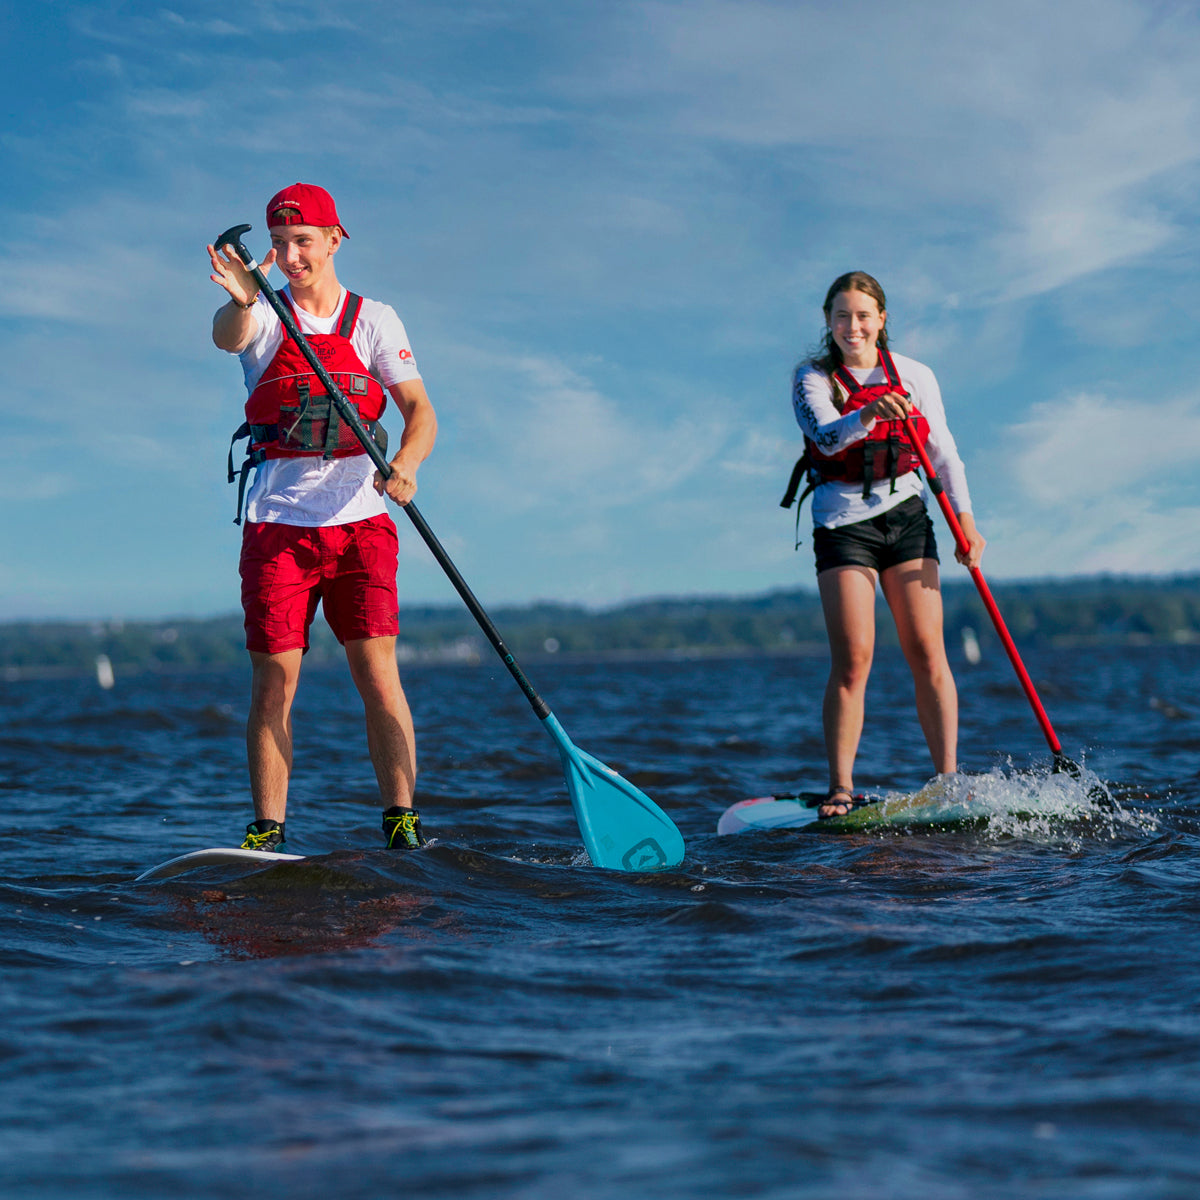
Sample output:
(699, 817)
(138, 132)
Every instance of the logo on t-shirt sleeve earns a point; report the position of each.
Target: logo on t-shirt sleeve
(405, 356)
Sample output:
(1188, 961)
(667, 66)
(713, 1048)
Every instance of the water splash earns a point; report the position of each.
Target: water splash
(1010, 802)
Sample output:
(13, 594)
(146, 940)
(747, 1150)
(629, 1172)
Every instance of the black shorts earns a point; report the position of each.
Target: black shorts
(899, 535)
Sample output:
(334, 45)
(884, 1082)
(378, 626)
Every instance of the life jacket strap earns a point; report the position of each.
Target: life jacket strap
(893, 460)
(803, 464)
(804, 467)
(868, 453)
(349, 315)
(886, 362)
(260, 438)
(347, 321)
(253, 458)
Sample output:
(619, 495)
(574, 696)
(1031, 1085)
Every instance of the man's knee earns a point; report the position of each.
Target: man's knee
(374, 670)
(273, 680)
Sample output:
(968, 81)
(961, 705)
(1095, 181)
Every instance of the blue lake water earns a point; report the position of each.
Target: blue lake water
(1002, 1010)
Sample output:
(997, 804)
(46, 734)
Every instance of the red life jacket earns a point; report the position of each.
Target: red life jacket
(885, 453)
(289, 414)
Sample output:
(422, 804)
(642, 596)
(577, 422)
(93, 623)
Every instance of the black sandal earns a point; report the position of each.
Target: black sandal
(849, 803)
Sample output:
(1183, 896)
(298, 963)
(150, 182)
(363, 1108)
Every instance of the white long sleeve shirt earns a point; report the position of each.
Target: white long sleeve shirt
(835, 504)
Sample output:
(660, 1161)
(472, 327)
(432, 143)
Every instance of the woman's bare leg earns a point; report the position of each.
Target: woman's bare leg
(848, 601)
(913, 595)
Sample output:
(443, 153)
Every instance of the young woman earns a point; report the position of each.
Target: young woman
(870, 521)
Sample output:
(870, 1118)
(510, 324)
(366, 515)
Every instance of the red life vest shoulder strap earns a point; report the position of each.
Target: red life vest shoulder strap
(292, 309)
(843, 376)
(850, 385)
(889, 370)
(347, 322)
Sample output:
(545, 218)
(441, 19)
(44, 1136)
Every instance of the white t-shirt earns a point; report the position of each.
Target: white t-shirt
(835, 503)
(318, 491)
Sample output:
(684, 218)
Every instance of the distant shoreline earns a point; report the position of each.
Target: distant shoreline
(1087, 612)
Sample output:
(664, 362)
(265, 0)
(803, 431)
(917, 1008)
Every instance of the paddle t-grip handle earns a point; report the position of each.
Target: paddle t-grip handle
(233, 237)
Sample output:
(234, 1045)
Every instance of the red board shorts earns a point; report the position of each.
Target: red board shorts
(286, 569)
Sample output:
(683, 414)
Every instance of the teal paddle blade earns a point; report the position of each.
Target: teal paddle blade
(622, 828)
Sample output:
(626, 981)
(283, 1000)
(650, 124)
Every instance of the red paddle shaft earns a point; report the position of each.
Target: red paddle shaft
(935, 486)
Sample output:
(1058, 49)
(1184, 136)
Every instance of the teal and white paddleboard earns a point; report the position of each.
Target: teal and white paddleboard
(938, 803)
(216, 856)
(766, 812)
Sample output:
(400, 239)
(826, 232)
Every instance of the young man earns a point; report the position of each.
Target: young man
(316, 526)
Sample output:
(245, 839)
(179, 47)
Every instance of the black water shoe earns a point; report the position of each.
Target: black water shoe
(402, 828)
(264, 835)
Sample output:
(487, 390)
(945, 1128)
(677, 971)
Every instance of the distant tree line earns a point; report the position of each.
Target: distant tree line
(1096, 610)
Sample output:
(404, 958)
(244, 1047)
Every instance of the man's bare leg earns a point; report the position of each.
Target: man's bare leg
(269, 730)
(391, 740)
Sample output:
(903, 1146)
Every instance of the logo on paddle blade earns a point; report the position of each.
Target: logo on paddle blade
(647, 855)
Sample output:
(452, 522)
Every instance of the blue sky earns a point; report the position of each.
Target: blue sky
(608, 229)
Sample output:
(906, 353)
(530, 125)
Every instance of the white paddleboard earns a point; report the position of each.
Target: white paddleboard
(216, 856)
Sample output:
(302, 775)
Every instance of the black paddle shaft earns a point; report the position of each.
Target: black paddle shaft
(349, 414)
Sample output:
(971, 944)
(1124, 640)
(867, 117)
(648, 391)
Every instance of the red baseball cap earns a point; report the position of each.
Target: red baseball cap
(314, 204)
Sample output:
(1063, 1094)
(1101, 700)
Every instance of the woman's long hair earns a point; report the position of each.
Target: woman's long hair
(828, 357)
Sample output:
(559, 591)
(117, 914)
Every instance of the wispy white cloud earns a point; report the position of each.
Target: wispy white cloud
(543, 432)
(28, 477)
(1099, 480)
(1076, 450)
(1031, 129)
(215, 26)
(758, 453)
(126, 24)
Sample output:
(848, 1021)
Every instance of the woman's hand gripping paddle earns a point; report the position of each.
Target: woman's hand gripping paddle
(1061, 762)
(622, 828)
